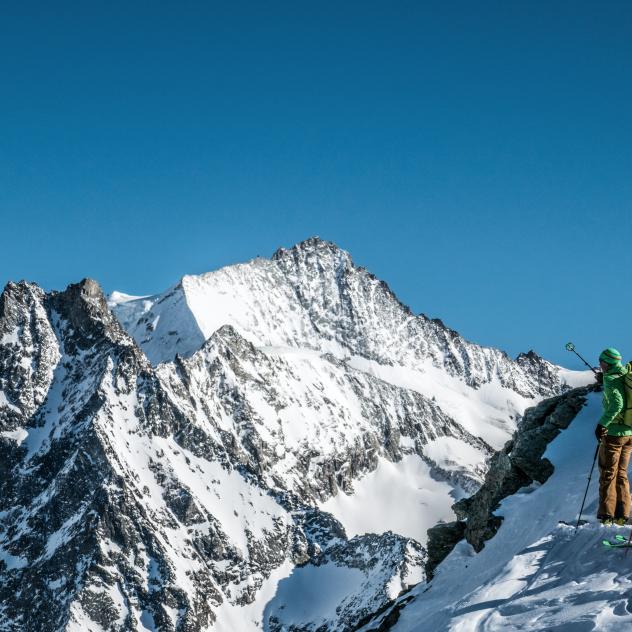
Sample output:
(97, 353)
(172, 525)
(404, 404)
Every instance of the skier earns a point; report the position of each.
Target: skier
(615, 440)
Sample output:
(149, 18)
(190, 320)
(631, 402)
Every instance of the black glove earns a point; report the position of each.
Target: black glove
(600, 432)
(599, 378)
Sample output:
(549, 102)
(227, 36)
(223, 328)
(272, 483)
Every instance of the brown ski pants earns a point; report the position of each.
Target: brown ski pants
(614, 489)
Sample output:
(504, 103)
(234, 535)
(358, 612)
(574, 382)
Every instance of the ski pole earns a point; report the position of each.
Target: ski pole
(571, 347)
(581, 509)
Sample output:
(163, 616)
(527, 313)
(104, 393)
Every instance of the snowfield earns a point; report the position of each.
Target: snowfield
(400, 497)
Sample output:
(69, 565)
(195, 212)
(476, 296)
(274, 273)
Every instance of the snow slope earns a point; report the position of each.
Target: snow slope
(489, 411)
(418, 504)
(535, 574)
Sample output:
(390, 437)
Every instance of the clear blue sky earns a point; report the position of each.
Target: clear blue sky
(475, 155)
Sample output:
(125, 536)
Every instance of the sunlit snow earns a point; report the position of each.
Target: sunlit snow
(399, 497)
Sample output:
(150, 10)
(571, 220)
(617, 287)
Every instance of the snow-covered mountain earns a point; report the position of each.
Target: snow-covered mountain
(313, 297)
(261, 447)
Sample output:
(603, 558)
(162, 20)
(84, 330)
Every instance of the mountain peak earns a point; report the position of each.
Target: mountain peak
(22, 292)
(314, 245)
(85, 290)
(85, 307)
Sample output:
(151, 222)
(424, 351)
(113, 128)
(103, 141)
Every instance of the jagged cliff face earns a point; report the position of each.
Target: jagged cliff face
(182, 495)
(313, 297)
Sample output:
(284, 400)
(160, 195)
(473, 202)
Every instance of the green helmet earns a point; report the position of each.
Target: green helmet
(610, 356)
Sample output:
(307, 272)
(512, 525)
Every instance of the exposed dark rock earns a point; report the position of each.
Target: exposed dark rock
(386, 617)
(442, 538)
(518, 464)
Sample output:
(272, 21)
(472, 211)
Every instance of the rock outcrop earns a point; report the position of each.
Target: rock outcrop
(518, 464)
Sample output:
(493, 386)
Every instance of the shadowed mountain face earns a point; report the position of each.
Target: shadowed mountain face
(179, 496)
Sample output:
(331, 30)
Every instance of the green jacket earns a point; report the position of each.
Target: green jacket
(614, 403)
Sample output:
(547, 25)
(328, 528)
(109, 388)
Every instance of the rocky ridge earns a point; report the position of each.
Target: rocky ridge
(313, 296)
(519, 463)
